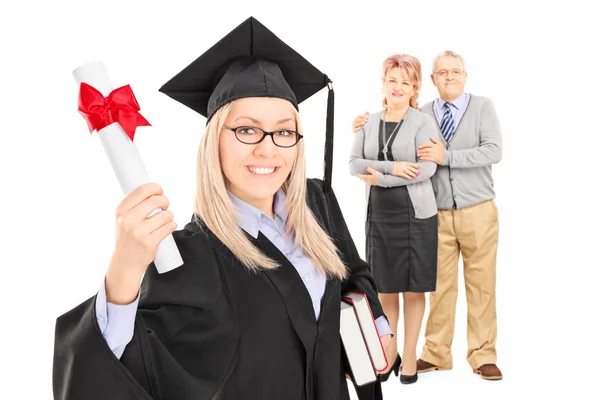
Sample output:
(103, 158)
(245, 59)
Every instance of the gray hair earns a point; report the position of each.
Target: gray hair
(447, 53)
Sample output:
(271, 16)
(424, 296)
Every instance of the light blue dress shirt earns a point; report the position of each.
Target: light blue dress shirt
(117, 321)
(457, 108)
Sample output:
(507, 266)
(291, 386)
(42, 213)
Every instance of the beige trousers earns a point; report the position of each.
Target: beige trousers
(473, 232)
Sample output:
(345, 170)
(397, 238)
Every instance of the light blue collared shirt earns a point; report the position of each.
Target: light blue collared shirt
(457, 108)
(117, 322)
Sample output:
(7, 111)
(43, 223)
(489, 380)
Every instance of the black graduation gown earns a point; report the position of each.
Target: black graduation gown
(211, 329)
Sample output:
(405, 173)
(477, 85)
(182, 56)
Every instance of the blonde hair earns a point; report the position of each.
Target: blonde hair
(411, 66)
(215, 208)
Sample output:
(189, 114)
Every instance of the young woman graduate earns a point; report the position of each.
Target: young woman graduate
(254, 311)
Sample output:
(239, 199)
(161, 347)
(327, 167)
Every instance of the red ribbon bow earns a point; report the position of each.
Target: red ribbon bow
(120, 106)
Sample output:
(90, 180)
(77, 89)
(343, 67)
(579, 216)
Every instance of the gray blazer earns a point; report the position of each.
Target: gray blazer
(416, 129)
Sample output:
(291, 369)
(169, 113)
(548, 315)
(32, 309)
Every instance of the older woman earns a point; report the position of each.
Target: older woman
(401, 217)
(254, 311)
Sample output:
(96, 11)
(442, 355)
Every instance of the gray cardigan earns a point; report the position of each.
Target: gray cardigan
(416, 129)
(465, 176)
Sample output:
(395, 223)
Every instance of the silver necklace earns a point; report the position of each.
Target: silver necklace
(385, 147)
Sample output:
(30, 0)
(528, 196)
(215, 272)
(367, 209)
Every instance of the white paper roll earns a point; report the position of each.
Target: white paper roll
(125, 159)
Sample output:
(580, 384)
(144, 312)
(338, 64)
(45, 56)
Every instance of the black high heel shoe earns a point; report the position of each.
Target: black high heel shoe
(408, 379)
(395, 367)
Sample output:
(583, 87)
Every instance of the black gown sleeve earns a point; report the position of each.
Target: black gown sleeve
(184, 341)
(360, 278)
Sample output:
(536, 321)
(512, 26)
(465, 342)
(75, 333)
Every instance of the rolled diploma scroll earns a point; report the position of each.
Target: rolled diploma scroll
(125, 159)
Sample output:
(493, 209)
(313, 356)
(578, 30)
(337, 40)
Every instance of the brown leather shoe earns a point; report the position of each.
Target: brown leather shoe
(424, 366)
(489, 371)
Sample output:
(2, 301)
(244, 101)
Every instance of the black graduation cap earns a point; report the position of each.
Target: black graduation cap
(251, 61)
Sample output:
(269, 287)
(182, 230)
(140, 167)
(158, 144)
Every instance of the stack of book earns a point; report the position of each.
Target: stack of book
(364, 351)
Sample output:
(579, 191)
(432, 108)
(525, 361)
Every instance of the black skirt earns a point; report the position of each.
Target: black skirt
(401, 249)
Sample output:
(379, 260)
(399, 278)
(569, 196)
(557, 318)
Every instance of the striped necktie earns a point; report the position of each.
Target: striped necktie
(447, 126)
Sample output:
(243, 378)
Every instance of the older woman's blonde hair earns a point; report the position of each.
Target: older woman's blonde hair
(214, 207)
(411, 66)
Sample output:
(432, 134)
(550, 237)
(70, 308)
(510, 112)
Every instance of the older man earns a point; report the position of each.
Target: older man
(467, 220)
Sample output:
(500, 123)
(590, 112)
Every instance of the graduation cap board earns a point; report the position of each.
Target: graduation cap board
(251, 61)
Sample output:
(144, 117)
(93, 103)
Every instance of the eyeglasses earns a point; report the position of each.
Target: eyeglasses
(445, 72)
(253, 135)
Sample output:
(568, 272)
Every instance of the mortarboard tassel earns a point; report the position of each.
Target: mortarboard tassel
(329, 138)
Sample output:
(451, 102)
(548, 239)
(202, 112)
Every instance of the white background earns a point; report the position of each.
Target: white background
(537, 62)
